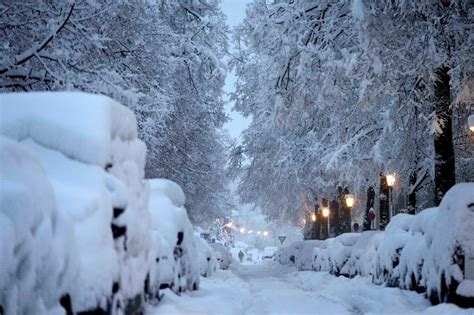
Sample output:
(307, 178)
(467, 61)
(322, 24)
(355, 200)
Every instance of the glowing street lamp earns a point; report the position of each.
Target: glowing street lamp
(350, 200)
(265, 233)
(470, 123)
(242, 230)
(313, 217)
(229, 225)
(325, 211)
(390, 182)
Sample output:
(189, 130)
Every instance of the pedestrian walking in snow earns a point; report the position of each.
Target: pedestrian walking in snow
(241, 256)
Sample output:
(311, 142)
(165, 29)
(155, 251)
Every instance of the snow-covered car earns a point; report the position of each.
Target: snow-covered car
(304, 253)
(88, 147)
(208, 263)
(39, 260)
(269, 252)
(176, 262)
(223, 255)
(430, 252)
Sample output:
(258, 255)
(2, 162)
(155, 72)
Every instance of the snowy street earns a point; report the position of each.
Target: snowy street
(270, 288)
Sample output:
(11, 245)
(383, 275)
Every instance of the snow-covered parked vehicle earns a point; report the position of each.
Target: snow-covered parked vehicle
(269, 252)
(334, 254)
(223, 255)
(176, 262)
(88, 146)
(430, 252)
(208, 263)
(39, 260)
(304, 254)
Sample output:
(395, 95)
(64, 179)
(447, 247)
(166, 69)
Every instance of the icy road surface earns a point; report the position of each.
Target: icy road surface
(270, 288)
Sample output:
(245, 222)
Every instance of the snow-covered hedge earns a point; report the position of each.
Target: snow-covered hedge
(424, 252)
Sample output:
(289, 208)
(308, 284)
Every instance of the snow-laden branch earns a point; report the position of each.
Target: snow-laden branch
(28, 54)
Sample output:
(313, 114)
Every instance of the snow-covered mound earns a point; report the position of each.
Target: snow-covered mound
(177, 261)
(38, 253)
(428, 252)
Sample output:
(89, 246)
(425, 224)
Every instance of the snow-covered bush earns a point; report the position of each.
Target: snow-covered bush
(176, 261)
(38, 253)
(89, 148)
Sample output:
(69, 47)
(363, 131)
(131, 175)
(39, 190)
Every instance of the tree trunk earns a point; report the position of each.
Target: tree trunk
(412, 195)
(344, 214)
(443, 144)
(384, 206)
(334, 214)
(369, 205)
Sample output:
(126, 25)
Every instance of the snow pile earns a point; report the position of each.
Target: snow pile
(38, 252)
(176, 246)
(428, 252)
(88, 147)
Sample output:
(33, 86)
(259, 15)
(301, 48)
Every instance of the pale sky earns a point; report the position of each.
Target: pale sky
(235, 12)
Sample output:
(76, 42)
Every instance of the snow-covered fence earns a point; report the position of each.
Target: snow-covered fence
(430, 252)
(78, 230)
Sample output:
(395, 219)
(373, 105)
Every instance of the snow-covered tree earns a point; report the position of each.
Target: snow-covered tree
(341, 92)
(160, 58)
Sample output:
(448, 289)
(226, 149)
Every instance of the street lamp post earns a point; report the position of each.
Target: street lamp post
(390, 183)
(326, 212)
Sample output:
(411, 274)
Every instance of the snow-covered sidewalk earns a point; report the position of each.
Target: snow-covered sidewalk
(271, 288)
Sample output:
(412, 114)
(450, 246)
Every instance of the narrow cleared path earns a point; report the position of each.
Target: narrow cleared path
(270, 288)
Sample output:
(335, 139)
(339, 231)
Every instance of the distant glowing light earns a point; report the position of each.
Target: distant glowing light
(250, 232)
(313, 217)
(242, 230)
(258, 233)
(265, 233)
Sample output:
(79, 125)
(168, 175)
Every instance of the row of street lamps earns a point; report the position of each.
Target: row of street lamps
(350, 201)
